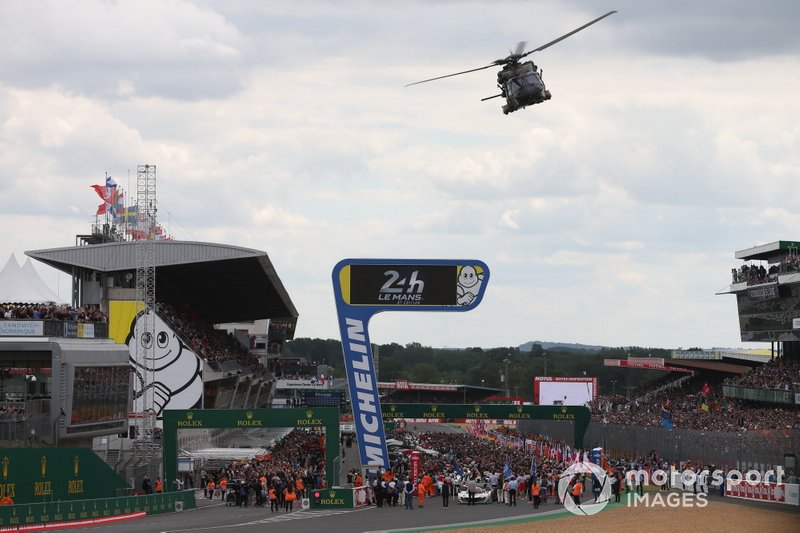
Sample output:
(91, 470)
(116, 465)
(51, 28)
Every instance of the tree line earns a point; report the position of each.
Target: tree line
(487, 367)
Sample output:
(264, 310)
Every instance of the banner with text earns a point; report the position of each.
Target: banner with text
(365, 287)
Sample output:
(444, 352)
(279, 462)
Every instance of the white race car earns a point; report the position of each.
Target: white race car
(483, 493)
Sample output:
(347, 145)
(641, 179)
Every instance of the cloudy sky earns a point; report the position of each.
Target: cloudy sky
(608, 215)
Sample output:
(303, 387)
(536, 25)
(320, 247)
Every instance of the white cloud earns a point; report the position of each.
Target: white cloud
(609, 214)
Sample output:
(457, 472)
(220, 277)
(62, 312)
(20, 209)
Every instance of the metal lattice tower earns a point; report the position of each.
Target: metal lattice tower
(143, 404)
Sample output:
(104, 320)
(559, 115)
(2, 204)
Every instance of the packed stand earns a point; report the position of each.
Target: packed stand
(755, 275)
(780, 373)
(694, 407)
(10, 311)
(210, 343)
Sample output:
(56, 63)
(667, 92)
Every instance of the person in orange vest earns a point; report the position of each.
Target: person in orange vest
(300, 487)
(273, 499)
(536, 490)
(359, 481)
(427, 480)
(577, 490)
(421, 490)
(223, 487)
(210, 487)
(289, 496)
(159, 485)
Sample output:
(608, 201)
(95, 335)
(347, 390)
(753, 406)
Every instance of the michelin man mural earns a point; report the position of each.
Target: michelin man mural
(469, 284)
(172, 371)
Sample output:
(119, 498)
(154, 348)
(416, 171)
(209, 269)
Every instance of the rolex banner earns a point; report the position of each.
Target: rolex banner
(31, 475)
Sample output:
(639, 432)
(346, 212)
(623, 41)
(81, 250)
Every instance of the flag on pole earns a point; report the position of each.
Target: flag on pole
(113, 201)
(117, 203)
(130, 214)
(533, 469)
(507, 469)
(457, 467)
(101, 191)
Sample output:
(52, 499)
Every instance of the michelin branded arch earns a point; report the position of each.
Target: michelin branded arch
(365, 287)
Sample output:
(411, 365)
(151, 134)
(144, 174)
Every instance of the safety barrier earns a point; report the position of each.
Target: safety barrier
(13, 517)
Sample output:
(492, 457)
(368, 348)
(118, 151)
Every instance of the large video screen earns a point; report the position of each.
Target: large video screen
(100, 393)
(564, 390)
(766, 313)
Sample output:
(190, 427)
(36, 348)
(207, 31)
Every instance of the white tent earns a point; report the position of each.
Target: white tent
(23, 284)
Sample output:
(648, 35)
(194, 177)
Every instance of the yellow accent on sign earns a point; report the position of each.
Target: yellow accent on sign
(344, 283)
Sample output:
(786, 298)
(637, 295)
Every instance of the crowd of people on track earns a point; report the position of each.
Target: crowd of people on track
(468, 468)
(294, 466)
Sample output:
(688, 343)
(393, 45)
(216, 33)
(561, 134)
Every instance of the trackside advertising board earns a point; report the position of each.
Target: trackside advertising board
(365, 287)
(764, 491)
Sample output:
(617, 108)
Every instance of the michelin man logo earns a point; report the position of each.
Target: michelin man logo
(565, 488)
(469, 284)
(172, 372)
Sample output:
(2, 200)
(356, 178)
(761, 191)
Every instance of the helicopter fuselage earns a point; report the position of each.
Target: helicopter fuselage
(520, 82)
(521, 85)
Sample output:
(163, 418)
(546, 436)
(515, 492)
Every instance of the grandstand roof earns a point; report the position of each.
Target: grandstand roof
(709, 365)
(223, 283)
(767, 251)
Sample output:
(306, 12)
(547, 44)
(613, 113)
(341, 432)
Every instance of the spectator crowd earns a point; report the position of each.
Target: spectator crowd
(11, 311)
(780, 373)
(757, 274)
(294, 466)
(699, 406)
(206, 341)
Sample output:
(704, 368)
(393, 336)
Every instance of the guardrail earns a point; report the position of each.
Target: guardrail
(786, 397)
(27, 514)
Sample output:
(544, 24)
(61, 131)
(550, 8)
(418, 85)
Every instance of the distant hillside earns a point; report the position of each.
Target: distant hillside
(528, 346)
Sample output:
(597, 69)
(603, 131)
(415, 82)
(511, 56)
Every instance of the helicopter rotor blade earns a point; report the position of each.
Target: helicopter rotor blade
(454, 74)
(520, 47)
(573, 32)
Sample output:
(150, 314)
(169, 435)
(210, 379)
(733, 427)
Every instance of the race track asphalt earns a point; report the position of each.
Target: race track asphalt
(217, 517)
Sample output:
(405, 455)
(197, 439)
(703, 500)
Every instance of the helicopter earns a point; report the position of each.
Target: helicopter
(520, 83)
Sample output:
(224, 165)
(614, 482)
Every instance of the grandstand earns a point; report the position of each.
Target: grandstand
(404, 391)
(737, 406)
(767, 290)
(56, 374)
